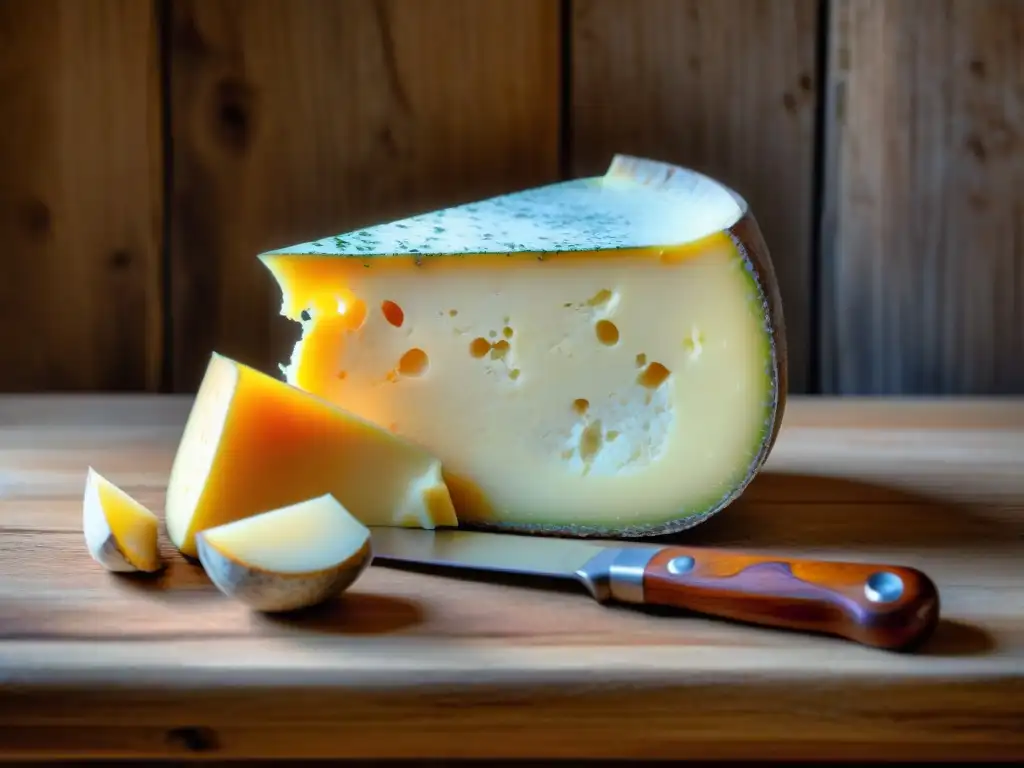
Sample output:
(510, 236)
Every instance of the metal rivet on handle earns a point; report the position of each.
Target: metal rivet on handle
(883, 587)
(681, 564)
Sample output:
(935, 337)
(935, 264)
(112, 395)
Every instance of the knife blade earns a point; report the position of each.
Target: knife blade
(882, 606)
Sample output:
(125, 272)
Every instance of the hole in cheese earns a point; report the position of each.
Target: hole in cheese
(413, 363)
(641, 360)
(580, 405)
(479, 347)
(498, 349)
(601, 297)
(508, 332)
(607, 332)
(392, 313)
(590, 441)
(653, 375)
(694, 342)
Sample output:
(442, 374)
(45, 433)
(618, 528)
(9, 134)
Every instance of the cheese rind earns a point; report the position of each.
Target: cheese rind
(288, 558)
(120, 533)
(636, 204)
(253, 443)
(599, 357)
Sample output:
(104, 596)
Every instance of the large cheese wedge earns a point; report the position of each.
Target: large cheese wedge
(288, 558)
(120, 533)
(603, 356)
(253, 443)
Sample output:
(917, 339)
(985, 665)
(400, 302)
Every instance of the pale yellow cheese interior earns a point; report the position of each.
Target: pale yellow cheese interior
(312, 535)
(599, 389)
(115, 522)
(253, 443)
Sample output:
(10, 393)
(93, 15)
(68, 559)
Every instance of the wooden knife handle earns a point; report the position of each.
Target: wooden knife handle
(883, 606)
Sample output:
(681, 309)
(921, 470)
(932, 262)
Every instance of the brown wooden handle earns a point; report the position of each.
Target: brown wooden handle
(883, 606)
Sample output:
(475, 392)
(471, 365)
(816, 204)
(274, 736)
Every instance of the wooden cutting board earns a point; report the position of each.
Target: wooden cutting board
(415, 665)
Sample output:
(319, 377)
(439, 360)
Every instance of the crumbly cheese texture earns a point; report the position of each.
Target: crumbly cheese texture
(253, 443)
(592, 357)
(313, 535)
(120, 533)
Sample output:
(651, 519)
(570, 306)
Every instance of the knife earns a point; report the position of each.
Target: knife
(882, 606)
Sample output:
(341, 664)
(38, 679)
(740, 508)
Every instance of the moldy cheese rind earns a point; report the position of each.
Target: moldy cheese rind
(597, 357)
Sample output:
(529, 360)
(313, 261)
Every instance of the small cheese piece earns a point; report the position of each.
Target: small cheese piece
(603, 356)
(253, 443)
(120, 533)
(288, 558)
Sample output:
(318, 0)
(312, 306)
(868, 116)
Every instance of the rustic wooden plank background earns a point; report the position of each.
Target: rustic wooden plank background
(924, 237)
(726, 87)
(80, 196)
(292, 120)
(153, 147)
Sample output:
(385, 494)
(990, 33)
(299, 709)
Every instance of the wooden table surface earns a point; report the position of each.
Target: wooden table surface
(418, 665)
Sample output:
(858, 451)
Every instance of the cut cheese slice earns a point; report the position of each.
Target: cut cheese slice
(120, 533)
(604, 356)
(288, 558)
(253, 443)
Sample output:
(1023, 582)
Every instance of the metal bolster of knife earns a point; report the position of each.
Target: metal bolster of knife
(618, 573)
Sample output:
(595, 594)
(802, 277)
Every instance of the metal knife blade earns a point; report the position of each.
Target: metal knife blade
(884, 606)
(529, 555)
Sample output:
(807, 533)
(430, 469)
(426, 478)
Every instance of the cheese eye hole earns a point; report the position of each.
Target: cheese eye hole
(580, 406)
(498, 349)
(413, 363)
(653, 375)
(591, 441)
(607, 332)
(393, 313)
(479, 347)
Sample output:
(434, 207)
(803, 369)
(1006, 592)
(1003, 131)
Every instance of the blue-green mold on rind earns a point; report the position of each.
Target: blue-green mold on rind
(599, 213)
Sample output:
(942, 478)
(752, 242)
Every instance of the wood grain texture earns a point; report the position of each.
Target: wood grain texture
(80, 196)
(923, 241)
(724, 86)
(297, 120)
(100, 666)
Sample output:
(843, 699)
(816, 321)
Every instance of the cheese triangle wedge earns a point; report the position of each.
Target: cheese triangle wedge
(599, 357)
(120, 533)
(252, 444)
